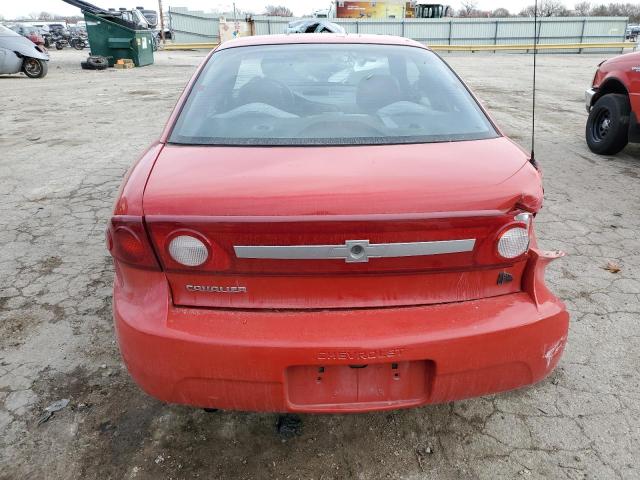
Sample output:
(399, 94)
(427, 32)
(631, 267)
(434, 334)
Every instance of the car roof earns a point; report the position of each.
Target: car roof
(319, 38)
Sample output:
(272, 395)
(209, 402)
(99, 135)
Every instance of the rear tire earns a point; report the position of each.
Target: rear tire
(607, 131)
(34, 67)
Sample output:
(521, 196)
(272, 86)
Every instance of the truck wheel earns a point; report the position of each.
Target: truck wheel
(607, 129)
(35, 68)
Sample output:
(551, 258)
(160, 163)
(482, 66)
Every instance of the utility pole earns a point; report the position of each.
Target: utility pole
(164, 42)
(236, 25)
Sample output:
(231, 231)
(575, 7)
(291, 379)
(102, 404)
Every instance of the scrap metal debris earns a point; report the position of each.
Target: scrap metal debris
(51, 409)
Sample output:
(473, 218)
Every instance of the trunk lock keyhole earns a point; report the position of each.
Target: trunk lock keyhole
(357, 251)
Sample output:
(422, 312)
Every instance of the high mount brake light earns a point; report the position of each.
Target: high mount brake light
(514, 241)
(127, 242)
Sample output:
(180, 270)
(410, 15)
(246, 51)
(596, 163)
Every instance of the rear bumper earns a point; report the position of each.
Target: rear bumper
(299, 360)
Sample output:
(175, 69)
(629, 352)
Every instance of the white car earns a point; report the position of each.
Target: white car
(19, 54)
(314, 25)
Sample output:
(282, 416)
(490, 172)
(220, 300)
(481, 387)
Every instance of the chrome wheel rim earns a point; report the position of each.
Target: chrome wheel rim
(32, 67)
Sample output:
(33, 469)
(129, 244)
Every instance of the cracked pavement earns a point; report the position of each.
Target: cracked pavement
(66, 142)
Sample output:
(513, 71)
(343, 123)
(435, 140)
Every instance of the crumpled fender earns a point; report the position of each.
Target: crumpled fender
(23, 47)
(533, 278)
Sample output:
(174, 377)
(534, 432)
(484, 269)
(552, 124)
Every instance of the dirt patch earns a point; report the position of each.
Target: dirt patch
(15, 328)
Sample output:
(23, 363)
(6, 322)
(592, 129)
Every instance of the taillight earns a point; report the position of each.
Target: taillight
(127, 242)
(186, 247)
(514, 240)
(188, 250)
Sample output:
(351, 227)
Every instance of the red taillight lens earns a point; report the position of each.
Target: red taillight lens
(127, 242)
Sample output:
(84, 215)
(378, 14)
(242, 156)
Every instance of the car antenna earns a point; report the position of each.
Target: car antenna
(533, 103)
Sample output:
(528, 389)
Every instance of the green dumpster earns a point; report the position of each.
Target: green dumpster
(113, 40)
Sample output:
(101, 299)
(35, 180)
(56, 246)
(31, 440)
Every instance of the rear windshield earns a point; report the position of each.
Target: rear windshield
(328, 94)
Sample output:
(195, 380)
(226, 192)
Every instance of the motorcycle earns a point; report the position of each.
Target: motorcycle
(60, 39)
(79, 42)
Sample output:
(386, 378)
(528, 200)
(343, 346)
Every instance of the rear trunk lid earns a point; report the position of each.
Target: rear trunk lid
(339, 227)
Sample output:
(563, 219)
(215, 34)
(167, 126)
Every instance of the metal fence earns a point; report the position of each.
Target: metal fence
(193, 26)
(198, 27)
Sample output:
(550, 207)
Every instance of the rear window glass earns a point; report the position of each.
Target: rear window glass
(328, 94)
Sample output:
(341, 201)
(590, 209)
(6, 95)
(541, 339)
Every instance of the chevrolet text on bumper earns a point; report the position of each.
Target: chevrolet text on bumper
(327, 226)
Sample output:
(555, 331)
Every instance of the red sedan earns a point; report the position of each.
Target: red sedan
(331, 223)
(32, 33)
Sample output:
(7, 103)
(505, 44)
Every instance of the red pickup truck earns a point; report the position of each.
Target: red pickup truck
(613, 103)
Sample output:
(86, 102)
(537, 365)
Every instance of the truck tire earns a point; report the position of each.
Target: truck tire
(607, 131)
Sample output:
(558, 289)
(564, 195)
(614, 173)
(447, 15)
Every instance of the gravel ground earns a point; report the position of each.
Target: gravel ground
(65, 143)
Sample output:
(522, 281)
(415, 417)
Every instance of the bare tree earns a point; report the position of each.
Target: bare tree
(600, 11)
(45, 16)
(500, 13)
(547, 8)
(469, 9)
(631, 10)
(582, 9)
(278, 11)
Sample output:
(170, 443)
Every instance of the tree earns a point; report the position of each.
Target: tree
(469, 9)
(547, 8)
(500, 13)
(630, 10)
(278, 11)
(582, 9)
(46, 16)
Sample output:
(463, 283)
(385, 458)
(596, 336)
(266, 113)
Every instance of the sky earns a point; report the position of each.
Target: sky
(13, 8)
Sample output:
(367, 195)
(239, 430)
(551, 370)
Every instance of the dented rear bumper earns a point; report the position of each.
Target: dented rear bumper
(337, 360)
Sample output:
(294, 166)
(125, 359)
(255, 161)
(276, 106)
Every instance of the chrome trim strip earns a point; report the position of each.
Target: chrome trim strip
(354, 251)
